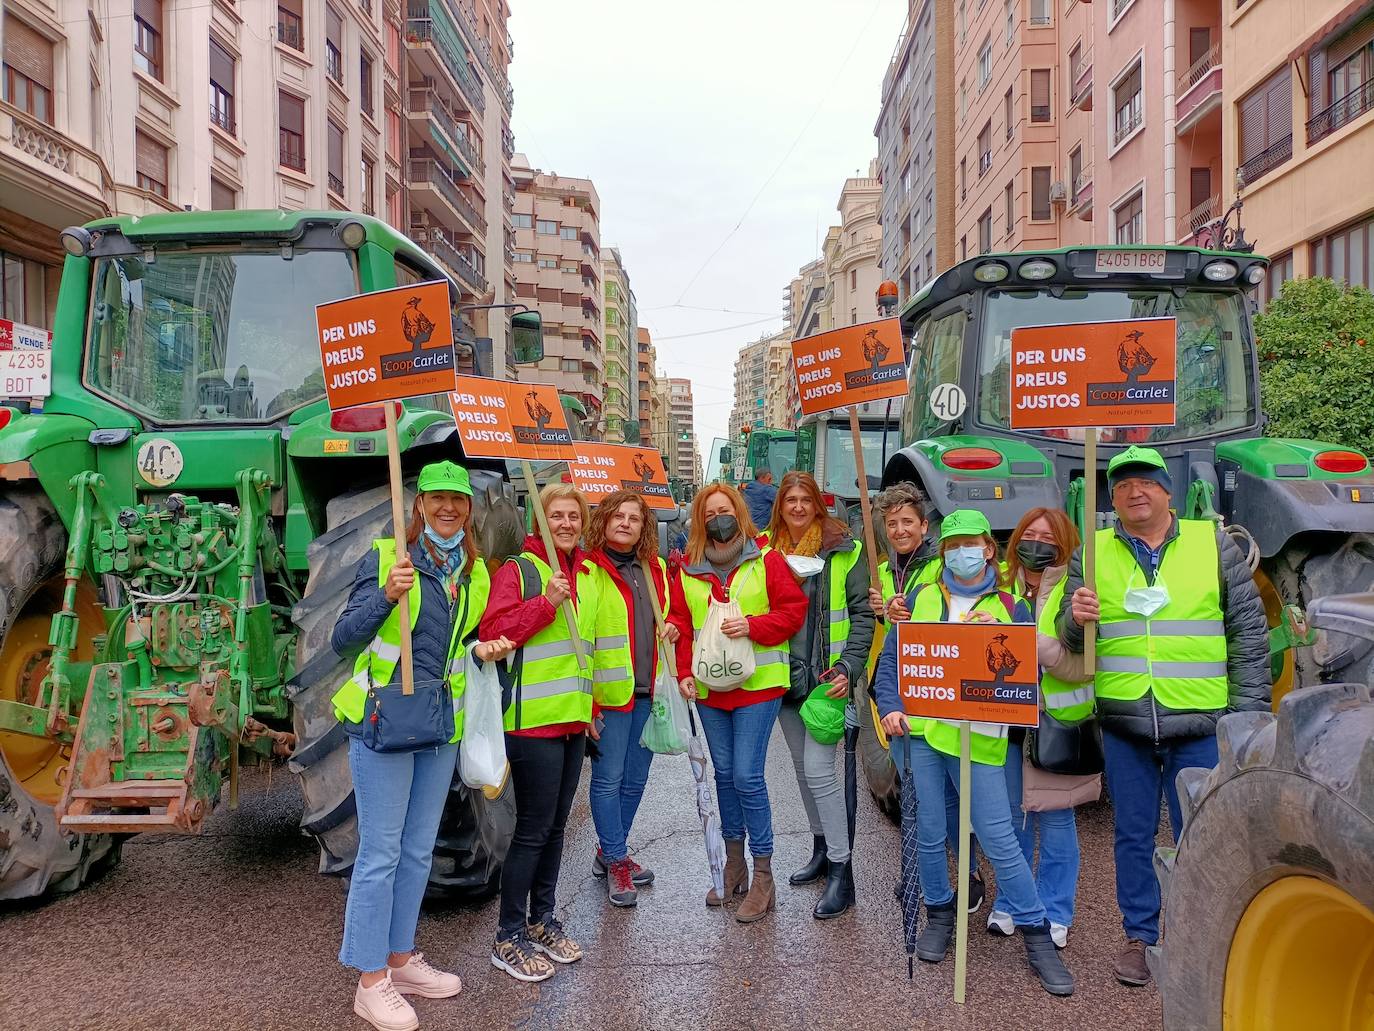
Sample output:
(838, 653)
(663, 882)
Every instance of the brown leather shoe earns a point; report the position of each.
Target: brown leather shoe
(736, 874)
(1130, 965)
(762, 896)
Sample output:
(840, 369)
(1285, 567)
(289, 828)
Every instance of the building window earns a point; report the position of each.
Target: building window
(1075, 172)
(522, 221)
(28, 70)
(963, 178)
(1348, 86)
(1010, 19)
(365, 84)
(548, 263)
(523, 257)
(546, 227)
(333, 45)
(148, 37)
(291, 134)
(1039, 13)
(985, 148)
(961, 18)
(570, 364)
(567, 232)
(984, 64)
(1345, 255)
(1009, 110)
(1130, 220)
(1266, 125)
(1127, 105)
(21, 289)
(1280, 272)
(150, 159)
(985, 231)
(1009, 198)
(853, 279)
(335, 137)
(1040, 94)
(1075, 66)
(289, 26)
(853, 316)
(222, 196)
(369, 185)
(963, 99)
(963, 247)
(221, 87)
(1040, 194)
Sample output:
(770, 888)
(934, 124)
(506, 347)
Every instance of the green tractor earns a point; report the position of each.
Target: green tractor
(179, 525)
(1302, 509)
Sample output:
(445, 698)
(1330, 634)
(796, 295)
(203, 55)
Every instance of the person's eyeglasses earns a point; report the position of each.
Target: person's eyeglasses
(1135, 483)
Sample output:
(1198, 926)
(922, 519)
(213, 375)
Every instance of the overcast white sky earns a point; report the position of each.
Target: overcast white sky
(681, 113)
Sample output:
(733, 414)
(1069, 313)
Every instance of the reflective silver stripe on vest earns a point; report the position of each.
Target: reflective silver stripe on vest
(460, 702)
(554, 688)
(386, 652)
(1063, 699)
(607, 643)
(764, 658)
(1174, 670)
(552, 650)
(839, 615)
(610, 676)
(1163, 628)
(456, 666)
(997, 730)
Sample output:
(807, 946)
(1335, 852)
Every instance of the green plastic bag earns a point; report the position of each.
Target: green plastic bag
(823, 716)
(668, 730)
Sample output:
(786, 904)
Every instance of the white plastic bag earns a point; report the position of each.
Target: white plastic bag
(482, 755)
(667, 730)
(718, 661)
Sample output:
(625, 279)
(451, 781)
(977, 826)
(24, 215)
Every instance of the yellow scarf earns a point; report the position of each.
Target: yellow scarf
(809, 546)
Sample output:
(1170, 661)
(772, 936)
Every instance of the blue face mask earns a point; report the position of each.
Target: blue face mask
(446, 544)
(966, 561)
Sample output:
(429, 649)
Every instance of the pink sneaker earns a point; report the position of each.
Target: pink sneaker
(383, 1008)
(417, 977)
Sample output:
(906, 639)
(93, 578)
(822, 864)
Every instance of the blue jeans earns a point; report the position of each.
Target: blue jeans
(895, 746)
(400, 797)
(738, 739)
(1056, 873)
(618, 777)
(1139, 771)
(991, 819)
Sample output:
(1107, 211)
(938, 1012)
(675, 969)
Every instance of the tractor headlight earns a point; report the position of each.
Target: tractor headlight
(1254, 275)
(76, 241)
(1219, 271)
(1036, 268)
(352, 233)
(991, 272)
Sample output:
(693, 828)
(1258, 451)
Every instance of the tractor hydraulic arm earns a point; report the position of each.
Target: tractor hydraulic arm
(63, 636)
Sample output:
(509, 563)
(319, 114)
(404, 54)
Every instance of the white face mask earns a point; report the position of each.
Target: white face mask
(1146, 601)
(805, 565)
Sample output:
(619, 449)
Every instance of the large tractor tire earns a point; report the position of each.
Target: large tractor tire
(1269, 896)
(475, 830)
(36, 855)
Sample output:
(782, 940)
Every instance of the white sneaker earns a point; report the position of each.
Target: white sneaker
(1000, 923)
(1059, 934)
(383, 1008)
(417, 977)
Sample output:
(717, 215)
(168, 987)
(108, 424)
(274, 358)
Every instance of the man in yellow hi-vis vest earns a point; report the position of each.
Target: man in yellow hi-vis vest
(1181, 639)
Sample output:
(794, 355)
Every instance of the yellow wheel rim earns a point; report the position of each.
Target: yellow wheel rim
(1273, 614)
(38, 763)
(1302, 956)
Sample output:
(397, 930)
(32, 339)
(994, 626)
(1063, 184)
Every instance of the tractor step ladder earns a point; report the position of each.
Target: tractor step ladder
(129, 807)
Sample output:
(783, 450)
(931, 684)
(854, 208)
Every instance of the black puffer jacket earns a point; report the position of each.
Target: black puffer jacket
(810, 646)
(1247, 652)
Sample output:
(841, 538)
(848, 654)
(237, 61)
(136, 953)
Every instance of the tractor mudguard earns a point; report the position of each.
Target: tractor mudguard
(315, 438)
(1004, 493)
(51, 449)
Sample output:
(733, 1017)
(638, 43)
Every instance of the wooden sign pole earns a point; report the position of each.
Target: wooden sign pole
(665, 649)
(865, 505)
(965, 847)
(398, 528)
(569, 614)
(1090, 540)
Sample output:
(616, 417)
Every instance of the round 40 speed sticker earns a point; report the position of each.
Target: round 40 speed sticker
(948, 401)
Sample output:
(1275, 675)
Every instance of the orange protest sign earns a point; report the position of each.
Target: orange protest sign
(1094, 374)
(982, 672)
(603, 469)
(386, 345)
(510, 420)
(849, 366)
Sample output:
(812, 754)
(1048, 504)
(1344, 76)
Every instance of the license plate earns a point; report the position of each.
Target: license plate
(25, 373)
(1130, 261)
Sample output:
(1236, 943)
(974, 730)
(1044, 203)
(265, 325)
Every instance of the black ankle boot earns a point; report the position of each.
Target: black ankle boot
(933, 943)
(1045, 960)
(815, 869)
(839, 892)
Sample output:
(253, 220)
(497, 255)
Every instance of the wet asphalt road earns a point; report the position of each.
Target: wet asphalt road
(234, 929)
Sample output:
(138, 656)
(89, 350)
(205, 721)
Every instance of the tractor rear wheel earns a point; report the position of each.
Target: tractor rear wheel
(36, 855)
(1269, 897)
(881, 773)
(475, 831)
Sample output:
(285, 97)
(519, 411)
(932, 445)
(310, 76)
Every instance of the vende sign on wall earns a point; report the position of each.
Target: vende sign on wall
(603, 469)
(849, 366)
(983, 672)
(387, 345)
(1094, 374)
(496, 419)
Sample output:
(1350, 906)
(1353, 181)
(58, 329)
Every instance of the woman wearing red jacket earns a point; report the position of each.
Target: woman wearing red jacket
(724, 561)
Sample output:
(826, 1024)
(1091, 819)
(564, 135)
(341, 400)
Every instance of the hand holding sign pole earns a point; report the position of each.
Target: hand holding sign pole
(382, 347)
(847, 367)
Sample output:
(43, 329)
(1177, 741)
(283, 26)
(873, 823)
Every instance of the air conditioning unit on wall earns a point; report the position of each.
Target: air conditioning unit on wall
(1058, 193)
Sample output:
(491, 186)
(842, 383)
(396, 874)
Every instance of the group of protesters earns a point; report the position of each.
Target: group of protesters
(582, 637)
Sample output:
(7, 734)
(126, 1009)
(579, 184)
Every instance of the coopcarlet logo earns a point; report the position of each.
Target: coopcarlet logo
(1134, 360)
(648, 482)
(540, 416)
(875, 352)
(417, 328)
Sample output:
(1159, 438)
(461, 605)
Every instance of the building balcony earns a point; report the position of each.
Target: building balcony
(1268, 159)
(41, 169)
(1082, 99)
(1341, 113)
(1199, 89)
(1081, 199)
(1200, 217)
(428, 176)
(436, 50)
(445, 129)
(452, 254)
(467, 14)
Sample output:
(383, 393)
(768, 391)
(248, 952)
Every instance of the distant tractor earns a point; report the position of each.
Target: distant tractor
(178, 531)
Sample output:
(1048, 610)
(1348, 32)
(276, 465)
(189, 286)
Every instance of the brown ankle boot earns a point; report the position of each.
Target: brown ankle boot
(736, 874)
(762, 897)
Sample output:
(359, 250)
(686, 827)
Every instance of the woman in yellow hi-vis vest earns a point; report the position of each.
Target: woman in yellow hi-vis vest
(971, 588)
(402, 749)
(829, 650)
(724, 561)
(547, 717)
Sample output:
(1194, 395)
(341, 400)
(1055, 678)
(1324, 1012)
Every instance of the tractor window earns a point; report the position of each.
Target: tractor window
(941, 351)
(207, 336)
(1216, 393)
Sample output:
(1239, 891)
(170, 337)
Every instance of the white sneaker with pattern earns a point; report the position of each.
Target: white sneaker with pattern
(383, 1007)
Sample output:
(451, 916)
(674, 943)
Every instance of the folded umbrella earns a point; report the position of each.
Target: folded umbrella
(911, 879)
(710, 825)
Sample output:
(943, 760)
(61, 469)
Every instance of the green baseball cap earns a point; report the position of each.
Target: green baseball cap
(965, 522)
(1136, 455)
(444, 476)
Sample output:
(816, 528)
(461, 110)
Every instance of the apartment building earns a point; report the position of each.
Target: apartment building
(915, 131)
(805, 300)
(1298, 127)
(620, 342)
(661, 433)
(558, 265)
(777, 414)
(645, 360)
(851, 252)
(686, 461)
(155, 106)
(751, 387)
